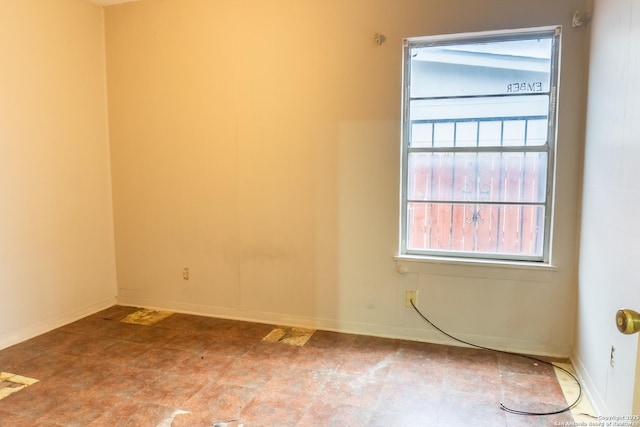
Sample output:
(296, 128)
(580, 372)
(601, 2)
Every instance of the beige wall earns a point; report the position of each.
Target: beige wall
(610, 236)
(257, 144)
(56, 244)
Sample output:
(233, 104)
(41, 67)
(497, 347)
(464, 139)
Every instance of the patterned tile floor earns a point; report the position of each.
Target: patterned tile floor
(201, 372)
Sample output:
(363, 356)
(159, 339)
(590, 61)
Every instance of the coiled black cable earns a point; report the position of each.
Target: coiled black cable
(502, 405)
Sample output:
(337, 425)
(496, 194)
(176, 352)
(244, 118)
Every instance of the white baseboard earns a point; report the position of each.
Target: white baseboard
(23, 334)
(588, 387)
(426, 334)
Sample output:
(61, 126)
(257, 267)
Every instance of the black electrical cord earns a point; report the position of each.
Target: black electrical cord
(503, 406)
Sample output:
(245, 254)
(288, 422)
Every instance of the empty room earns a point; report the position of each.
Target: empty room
(240, 213)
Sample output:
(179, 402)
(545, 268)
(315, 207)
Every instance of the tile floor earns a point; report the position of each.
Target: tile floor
(202, 372)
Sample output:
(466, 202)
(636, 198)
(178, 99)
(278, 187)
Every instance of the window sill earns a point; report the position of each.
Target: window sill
(477, 268)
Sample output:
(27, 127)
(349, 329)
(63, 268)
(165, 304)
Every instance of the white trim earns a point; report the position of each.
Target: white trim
(31, 331)
(517, 272)
(476, 262)
(423, 334)
(482, 34)
(589, 388)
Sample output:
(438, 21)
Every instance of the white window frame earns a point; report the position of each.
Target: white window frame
(550, 147)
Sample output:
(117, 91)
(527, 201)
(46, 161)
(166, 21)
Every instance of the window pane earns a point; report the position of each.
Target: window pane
(491, 229)
(502, 121)
(422, 134)
(483, 107)
(467, 134)
(444, 134)
(498, 67)
(537, 132)
(490, 134)
(478, 140)
(514, 133)
(494, 176)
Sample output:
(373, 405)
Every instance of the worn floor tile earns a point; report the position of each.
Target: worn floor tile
(146, 317)
(190, 371)
(13, 383)
(290, 336)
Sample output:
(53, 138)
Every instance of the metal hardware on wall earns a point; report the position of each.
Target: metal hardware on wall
(628, 321)
(379, 38)
(580, 19)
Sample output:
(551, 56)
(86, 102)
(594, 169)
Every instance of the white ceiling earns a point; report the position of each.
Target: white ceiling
(110, 2)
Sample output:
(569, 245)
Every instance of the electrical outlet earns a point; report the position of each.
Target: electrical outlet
(612, 357)
(185, 273)
(409, 296)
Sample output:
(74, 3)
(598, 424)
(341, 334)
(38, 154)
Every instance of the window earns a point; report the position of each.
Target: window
(478, 144)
